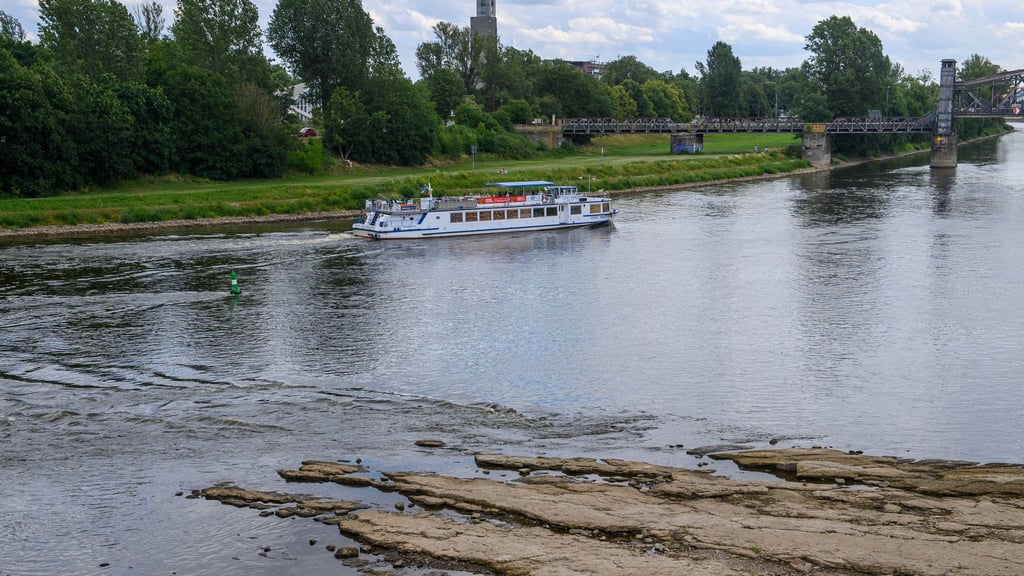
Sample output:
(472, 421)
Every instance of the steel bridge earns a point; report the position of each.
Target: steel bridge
(875, 125)
(996, 96)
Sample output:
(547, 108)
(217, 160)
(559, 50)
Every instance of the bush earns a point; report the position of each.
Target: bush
(310, 158)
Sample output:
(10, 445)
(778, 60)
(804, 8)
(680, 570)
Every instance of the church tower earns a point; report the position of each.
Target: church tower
(485, 23)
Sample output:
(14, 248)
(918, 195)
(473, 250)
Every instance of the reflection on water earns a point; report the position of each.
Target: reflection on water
(874, 308)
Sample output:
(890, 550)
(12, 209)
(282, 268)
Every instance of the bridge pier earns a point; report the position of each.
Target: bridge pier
(944, 139)
(817, 146)
(944, 151)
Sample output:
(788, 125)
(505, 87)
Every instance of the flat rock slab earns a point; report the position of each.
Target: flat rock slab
(936, 477)
(928, 518)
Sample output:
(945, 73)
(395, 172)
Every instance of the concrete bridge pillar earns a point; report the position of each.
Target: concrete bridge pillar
(944, 139)
(817, 146)
(944, 151)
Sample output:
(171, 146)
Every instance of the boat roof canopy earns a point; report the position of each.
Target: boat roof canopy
(520, 184)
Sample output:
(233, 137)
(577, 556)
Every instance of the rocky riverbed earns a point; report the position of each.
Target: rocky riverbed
(830, 513)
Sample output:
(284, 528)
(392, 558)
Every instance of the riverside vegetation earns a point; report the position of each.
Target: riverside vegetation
(612, 164)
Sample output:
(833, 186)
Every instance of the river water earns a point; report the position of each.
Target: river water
(876, 308)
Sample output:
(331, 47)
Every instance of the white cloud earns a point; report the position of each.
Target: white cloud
(673, 34)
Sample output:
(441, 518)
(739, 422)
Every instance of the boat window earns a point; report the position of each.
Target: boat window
(576, 209)
(525, 213)
(538, 212)
(552, 211)
(471, 216)
(513, 214)
(485, 215)
(456, 217)
(606, 207)
(499, 214)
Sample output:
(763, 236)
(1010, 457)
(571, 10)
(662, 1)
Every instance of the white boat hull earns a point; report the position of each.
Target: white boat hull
(559, 207)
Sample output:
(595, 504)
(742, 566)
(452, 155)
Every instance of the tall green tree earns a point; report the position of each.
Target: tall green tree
(37, 157)
(454, 48)
(666, 100)
(10, 28)
(628, 68)
(446, 90)
(847, 66)
(92, 37)
(578, 95)
(328, 44)
(223, 36)
(720, 83)
(149, 18)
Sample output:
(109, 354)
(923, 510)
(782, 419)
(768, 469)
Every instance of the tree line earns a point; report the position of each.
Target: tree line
(107, 95)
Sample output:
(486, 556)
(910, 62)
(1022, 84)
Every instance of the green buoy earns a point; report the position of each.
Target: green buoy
(234, 283)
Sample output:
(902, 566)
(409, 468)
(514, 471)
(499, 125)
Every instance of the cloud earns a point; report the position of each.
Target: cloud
(670, 34)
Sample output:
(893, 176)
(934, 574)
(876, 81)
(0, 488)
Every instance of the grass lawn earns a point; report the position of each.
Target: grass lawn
(620, 162)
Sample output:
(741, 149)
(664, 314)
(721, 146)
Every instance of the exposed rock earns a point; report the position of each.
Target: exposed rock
(937, 477)
(430, 443)
(346, 552)
(677, 521)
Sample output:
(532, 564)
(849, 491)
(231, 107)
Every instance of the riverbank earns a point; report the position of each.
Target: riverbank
(831, 513)
(115, 228)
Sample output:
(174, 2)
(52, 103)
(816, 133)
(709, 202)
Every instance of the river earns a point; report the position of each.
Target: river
(875, 308)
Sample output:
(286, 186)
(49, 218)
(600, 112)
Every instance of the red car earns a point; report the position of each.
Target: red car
(307, 132)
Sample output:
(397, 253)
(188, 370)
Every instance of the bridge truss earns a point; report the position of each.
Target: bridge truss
(997, 95)
(874, 125)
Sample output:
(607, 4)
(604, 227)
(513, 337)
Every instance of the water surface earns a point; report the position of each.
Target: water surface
(876, 308)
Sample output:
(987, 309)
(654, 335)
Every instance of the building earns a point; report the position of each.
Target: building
(302, 104)
(485, 23)
(595, 69)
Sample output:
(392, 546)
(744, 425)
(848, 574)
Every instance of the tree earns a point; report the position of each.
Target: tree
(720, 82)
(666, 100)
(223, 36)
(345, 119)
(578, 95)
(454, 49)
(446, 91)
(208, 138)
(150, 21)
(10, 28)
(92, 37)
(329, 44)
(628, 68)
(37, 158)
(519, 111)
(406, 120)
(847, 66)
(641, 105)
(625, 106)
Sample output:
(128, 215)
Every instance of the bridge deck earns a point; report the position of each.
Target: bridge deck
(881, 125)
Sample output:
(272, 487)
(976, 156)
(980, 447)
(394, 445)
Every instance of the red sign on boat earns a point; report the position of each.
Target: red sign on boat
(500, 199)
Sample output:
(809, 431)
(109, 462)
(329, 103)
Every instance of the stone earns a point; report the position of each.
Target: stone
(430, 443)
(346, 552)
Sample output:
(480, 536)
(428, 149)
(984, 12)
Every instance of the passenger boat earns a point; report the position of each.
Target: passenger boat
(512, 207)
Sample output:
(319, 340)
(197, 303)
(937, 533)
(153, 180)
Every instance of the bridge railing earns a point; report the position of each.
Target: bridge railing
(881, 125)
(616, 126)
(706, 125)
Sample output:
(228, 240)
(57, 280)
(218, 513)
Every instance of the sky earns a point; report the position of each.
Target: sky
(672, 35)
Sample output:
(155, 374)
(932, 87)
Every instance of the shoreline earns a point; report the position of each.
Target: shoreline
(115, 228)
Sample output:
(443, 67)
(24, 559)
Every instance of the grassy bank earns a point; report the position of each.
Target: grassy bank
(610, 164)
